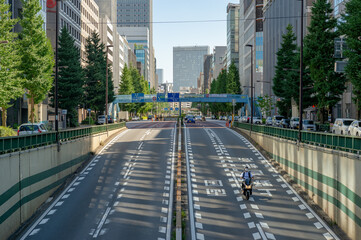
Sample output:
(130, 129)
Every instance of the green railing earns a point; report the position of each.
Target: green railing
(12, 144)
(327, 140)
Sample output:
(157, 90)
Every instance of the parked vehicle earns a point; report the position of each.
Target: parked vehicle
(190, 119)
(341, 125)
(150, 117)
(268, 121)
(276, 120)
(257, 120)
(198, 118)
(214, 117)
(308, 125)
(294, 122)
(355, 128)
(31, 128)
(285, 123)
(236, 118)
(101, 119)
(135, 118)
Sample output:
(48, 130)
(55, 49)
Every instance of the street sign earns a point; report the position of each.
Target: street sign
(177, 109)
(154, 98)
(160, 97)
(89, 110)
(138, 97)
(64, 111)
(171, 109)
(165, 109)
(234, 102)
(173, 97)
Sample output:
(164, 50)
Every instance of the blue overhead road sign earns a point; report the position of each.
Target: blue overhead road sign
(173, 97)
(160, 97)
(138, 97)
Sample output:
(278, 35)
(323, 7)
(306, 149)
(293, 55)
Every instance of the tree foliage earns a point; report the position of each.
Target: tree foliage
(95, 75)
(351, 28)
(71, 77)
(10, 80)
(37, 57)
(266, 105)
(227, 82)
(319, 58)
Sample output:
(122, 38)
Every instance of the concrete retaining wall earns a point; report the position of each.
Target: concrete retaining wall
(331, 178)
(29, 177)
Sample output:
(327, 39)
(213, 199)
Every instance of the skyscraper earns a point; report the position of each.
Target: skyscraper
(251, 33)
(187, 65)
(232, 34)
(217, 61)
(160, 74)
(139, 14)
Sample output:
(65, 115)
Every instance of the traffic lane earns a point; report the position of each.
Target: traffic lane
(213, 208)
(285, 213)
(145, 201)
(149, 124)
(86, 200)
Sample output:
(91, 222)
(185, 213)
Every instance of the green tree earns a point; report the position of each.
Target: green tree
(126, 87)
(319, 51)
(71, 76)
(351, 28)
(233, 85)
(266, 105)
(10, 81)
(285, 81)
(95, 74)
(37, 57)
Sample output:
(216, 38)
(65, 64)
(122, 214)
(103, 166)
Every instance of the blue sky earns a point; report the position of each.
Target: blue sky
(168, 35)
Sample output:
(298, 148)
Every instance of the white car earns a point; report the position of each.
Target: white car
(31, 128)
(135, 118)
(269, 121)
(257, 120)
(355, 128)
(276, 120)
(341, 125)
(294, 122)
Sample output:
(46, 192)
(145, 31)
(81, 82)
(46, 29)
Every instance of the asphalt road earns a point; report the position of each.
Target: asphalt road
(124, 193)
(216, 156)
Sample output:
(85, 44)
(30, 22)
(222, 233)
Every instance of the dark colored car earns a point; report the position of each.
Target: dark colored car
(190, 120)
(150, 117)
(285, 123)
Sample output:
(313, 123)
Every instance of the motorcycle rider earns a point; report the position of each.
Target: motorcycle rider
(247, 176)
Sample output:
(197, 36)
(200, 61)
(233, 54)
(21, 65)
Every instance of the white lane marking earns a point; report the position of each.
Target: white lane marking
(246, 215)
(197, 206)
(65, 196)
(254, 206)
(170, 206)
(164, 210)
(264, 225)
(259, 215)
(328, 236)
(289, 192)
(302, 201)
(191, 213)
(318, 225)
(163, 219)
(251, 225)
(198, 215)
(261, 231)
(302, 207)
(35, 231)
(140, 145)
(284, 185)
(270, 236)
(101, 223)
(256, 236)
(199, 225)
(295, 199)
(58, 204)
(243, 206)
(200, 236)
(71, 189)
(76, 183)
(162, 229)
(309, 215)
(45, 220)
(51, 212)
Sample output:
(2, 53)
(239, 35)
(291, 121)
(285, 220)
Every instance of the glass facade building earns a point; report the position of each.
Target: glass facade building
(187, 65)
(232, 34)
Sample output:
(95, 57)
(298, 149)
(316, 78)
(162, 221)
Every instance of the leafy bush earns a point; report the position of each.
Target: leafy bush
(86, 121)
(6, 132)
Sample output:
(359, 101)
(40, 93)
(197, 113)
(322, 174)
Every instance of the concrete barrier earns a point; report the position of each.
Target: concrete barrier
(331, 178)
(29, 177)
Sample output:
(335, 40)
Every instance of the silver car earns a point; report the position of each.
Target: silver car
(31, 128)
(294, 122)
(308, 125)
(269, 121)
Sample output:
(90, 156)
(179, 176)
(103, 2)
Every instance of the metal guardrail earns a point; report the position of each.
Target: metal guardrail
(17, 143)
(327, 140)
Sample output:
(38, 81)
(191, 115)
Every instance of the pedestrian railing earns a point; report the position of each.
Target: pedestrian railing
(327, 140)
(12, 144)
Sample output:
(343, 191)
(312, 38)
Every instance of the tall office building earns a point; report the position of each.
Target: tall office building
(251, 33)
(160, 73)
(89, 23)
(187, 65)
(232, 34)
(139, 14)
(207, 73)
(217, 61)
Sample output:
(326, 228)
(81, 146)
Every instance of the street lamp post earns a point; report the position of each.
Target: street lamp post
(56, 99)
(106, 87)
(301, 78)
(251, 46)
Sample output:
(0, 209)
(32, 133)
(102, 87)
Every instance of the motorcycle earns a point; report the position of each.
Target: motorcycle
(247, 188)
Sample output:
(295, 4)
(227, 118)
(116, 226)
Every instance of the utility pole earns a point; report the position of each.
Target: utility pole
(301, 79)
(106, 87)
